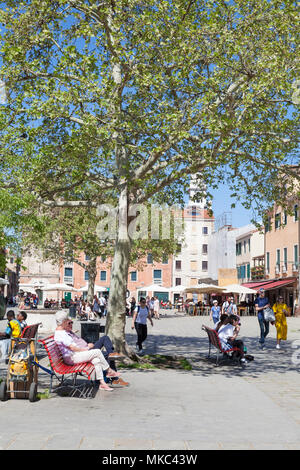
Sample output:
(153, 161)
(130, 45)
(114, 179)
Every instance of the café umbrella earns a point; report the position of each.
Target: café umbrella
(204, 288)
(59, 287)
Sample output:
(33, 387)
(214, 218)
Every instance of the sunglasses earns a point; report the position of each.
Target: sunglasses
(69, 323)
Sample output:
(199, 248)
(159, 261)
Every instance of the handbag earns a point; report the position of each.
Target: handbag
(269, 314)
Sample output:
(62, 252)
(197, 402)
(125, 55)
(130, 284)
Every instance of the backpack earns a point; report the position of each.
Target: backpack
(139, 307)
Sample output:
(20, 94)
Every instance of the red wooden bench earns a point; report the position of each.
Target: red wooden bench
(60, 369)
(214, 341)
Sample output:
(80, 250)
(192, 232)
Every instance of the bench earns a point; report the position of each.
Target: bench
(59, 369)
(214, 341)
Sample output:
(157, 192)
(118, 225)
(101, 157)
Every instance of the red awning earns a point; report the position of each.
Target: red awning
(268, 285)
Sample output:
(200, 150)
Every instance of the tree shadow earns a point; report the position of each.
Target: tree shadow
(195, 350)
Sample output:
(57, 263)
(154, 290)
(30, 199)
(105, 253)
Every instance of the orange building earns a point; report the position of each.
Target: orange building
(146, 273)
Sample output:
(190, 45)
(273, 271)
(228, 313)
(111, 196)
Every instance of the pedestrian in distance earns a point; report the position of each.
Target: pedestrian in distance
(280, 309)
(156, 308)
(261, 303)
(139, 322)
(215, 312)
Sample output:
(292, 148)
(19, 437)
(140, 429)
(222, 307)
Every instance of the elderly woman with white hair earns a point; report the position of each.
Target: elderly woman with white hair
(75, 354)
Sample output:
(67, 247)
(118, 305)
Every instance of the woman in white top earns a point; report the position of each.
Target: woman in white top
(228, 333)
(74, 354)
(139, 322)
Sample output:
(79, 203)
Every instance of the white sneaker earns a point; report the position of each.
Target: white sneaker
(278, 346)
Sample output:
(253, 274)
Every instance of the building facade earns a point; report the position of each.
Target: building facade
(191, 263)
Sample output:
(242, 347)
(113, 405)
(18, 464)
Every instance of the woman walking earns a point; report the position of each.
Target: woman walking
(139, 322)
(280, 309)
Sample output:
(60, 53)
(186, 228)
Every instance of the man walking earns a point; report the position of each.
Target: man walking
(261, 303)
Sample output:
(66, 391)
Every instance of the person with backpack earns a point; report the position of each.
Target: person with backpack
(13, 330)
(139, 322)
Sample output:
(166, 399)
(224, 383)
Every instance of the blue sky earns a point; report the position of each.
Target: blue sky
(222, 203)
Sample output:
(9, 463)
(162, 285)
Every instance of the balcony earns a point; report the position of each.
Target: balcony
(257, 272)
(68, 279)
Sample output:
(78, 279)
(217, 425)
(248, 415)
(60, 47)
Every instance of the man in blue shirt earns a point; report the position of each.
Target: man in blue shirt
(261, 303)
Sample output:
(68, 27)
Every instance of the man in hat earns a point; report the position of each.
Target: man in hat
(261, 303)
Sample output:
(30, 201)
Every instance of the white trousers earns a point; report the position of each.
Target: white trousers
(95, 356)
(4, 347)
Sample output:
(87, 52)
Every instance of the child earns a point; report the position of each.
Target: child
(13, 330)
(21, 317)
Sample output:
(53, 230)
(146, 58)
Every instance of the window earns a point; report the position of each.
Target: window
(178, 281)
(157, 275)
(296, 257)
(248, 271)
(102, 275)
(204, 249)
(238, 249)
(178, 264)
(285, 258)
(86, 275)
(133, 276)
(87, 257)
(165, 259)
(205, 230)
(277, 220)
(193, 266)
(284, 218)
(296, 212)
(11, 261)
(194, 211)
(68, 272)
(268, 262)
(178, 249)
(278, 259)
(249, 245)
(245, 246)
(268, 225)
(150, 258)
(204, 265)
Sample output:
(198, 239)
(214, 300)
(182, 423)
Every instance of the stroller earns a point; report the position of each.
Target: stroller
(21, 379)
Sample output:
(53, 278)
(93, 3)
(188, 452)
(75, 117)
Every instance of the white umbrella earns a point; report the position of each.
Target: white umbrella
(177, 288)
(3, 282)
(155, 288)
(26, 289)
(238, 289)
(205, 289)
(59, 287)
(96, 288)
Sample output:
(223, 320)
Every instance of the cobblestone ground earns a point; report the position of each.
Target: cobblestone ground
(210, 407)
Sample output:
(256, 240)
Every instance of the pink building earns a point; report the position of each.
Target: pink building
(144, 274)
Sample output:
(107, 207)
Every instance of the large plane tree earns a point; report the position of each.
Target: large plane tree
(129, 98)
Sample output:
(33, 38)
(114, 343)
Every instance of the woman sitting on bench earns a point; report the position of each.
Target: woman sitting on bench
(73, 354)
(228, 332)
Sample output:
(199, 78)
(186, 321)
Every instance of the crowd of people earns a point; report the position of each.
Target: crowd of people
(227, 322)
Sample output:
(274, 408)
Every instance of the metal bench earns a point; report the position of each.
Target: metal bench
(62, 371)
(214, 341)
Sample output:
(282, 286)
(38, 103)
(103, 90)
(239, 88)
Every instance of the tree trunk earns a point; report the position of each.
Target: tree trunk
(92, 270)
(116, 316)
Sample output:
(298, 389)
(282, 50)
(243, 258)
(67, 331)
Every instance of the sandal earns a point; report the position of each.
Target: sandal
(106, 388)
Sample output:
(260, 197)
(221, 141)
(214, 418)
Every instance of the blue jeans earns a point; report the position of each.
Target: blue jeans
(264, 327)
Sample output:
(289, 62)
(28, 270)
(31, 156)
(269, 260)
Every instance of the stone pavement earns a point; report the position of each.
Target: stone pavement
(209, 407)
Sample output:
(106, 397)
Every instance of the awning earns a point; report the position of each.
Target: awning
(269, 285)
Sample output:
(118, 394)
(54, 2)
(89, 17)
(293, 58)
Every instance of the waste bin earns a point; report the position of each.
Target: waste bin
(90, 332)
(72, 311)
